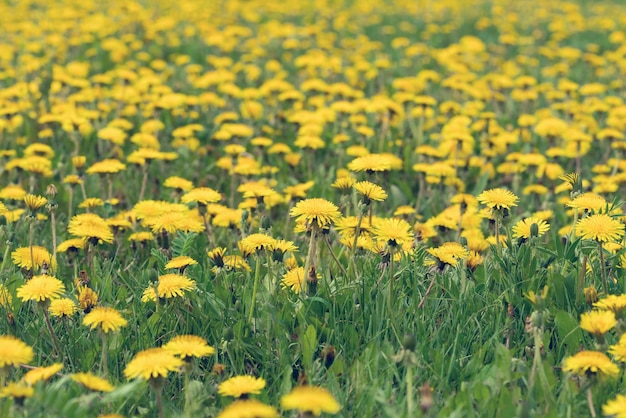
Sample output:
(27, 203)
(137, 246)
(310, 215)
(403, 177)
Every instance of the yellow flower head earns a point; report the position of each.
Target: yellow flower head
(41, 288)
(169, 286)
(498, 199)
(590, 363)
(598, 322)
(63, 307)
(394, 232)
(316, 211)
(615, 407)
(600, 227)
(22, 257)
(92, 382)
(180, 262)
(41, 374)
(294, 279)
(34, 202)
(370, 191)
(14, 351)
(523, 229)
(241, 386)
(187, 346)
(449, 253)
(248, 408)
(152, 363)
(105, 318)
(91, 227)
(310, 399)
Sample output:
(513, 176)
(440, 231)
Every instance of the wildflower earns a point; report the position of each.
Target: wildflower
(109, 166)
(241, 386)
(107, 319)
(169, 286)
(188, 346)
(615, 407)
(294, 279)
(34, 202)
(370, 191)
(22, 257)
(87, 299)
(600, 227)
(618, 351)
(202, 195)
(498, 198)
(316, 211)
(248, 408)
(598, 322)
(41, 288)
(256, 242)
(63, 307)
(588, 202)
(91, 227)
(523, 229)
(615, 303)
(41, 374)
(449, 253)
(180, 262)
(590, 363)
(72, 244)
(92, 382)
(18, 391)
(310, 399)
(14, 351)
(374, 162)
(152, 363)
(178, 183)
(394, 232)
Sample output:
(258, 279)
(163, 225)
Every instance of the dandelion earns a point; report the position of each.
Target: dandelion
(40, 256)
(598, 323)
(189, 346)
(241, 386)
(92, 382)
(294, 279)
(523, 229)
(41, 289)
(498, 199)
(169, 286)
(91, 227)
(62, 308)
(41, 374)
(248, 408)
(590, 363)
(18, 391)
(615, 407)
(14, 352)
(105, 318)
(316, 211)
(370, 191)
(310, 399)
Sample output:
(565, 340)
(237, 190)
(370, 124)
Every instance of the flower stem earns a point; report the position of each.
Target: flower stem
(105, 362)
(603, 269)
(409, 390)
(257, 273)
(327, 241)
(390, 299)
(592, 409)
(55, 341)
(310, 258)
(144, 181)
(31, 231)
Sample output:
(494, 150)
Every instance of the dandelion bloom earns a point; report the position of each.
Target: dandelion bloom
(169, 286)
(62, 307)
(590, 363)
(615, 407)
(394, 232)
(92, 382)
(152, 363)
(91, 227)
(310, 399)
(615, 303)
(256, 242)
(180, 262)
(248, 408)
(108, 319)
(41, 288)
(14, 351)
(316, 210)
(109, 166)
(598, 322)
(21, 257)
(187, 346)
(588, 201)
(370, 191)
(449, 253)
(618, 351)
(179, 183)
(34, 202)
(241, 386)
(87, 299)
(600, 227)
(202, 195)
(498, 198)
(17, 390)
(294, 279)
(41, 374)
(523, 229)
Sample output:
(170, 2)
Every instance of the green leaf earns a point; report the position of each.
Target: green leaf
(568, 331)
(308, 344)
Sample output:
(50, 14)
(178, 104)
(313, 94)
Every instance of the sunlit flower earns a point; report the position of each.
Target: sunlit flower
(63, 307)
(152, 363)
(248, 408)
(316, 211)
(241, 386)
(449, 253)
(370, 191)
(169, 286)
(180, 262)
(91, 227)
(310, 399)
(34, 202)
(41, 374)
(294, 279)
(498, 198)
(590, 363)
(393, 231)
(615, 407)
(600, 227)
(22, 257)
(14, 351)
(41, 288)
(105, 318)
(523, 229)
(92, 382)
(598, 322)
(188, 346)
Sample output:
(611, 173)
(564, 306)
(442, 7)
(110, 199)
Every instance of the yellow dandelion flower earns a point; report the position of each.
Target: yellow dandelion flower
(294, 279)
(178, 183)
(87, 299)
(90, 226)
(41, 288)
(14, 351)
(370, 191)
(498, 198)
(250, 408)
(17, 390)
(256, 242)
(152, 363)
(393, 231)
(187, 346)
(615, 407)
(614, 303)
(21, 258)
(590, 363)
(63, 307)
(310, 399)
(598, 322)
(34, 202)
(241, 386)
(105, 318)
(449, 253)
(316, 210)
(618, 351)
(41, 374)
(180, 262)
(92, 382)
(523, 229)
(600, 227)
(72, 244)
(202, 195)
(169, 286)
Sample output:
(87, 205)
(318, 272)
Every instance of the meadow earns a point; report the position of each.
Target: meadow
(260, 208)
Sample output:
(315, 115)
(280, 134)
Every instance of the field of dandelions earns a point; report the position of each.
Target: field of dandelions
(313, 208)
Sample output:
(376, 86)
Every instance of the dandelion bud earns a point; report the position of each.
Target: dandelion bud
(328, 355)
(591, 295)
(409, 342)
(51, 191)
(426, 398)
(312, 281)
(534, 230)
(536, 319)
(266, 222)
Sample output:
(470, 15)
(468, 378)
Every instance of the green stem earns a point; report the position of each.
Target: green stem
(603, 269)
(257, 273)
(357, 232)
(31, 232)
(345, 273)
(310, 257)
(105, 362)
(409, 390)
(390, 300)
(55, 341)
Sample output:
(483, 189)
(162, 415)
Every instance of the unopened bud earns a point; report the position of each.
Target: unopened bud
(51, 191)
(534, 230)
